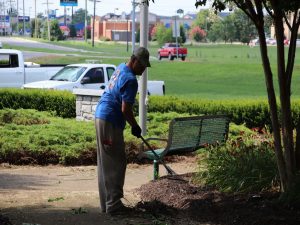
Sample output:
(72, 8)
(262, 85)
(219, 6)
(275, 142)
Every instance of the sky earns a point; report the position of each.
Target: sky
(160, 7)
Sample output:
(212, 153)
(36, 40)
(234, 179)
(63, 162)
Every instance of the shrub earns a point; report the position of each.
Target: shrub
(62, 103)
(197, 34)
(244, 164)
(252, 113)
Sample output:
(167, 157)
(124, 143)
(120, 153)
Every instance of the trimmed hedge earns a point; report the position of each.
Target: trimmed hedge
(63, 103)
(252, 113)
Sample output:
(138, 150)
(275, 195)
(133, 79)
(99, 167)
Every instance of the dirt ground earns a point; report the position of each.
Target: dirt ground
(69, 195)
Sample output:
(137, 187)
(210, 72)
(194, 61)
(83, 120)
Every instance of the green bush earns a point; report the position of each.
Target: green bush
(252, 113)
(62, 103)
(246, 163)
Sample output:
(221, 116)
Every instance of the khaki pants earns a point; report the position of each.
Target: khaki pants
(111, 165)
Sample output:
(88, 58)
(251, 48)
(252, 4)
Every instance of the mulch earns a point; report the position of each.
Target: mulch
(180, 201)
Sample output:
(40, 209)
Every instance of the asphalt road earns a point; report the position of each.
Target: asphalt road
(15, 41)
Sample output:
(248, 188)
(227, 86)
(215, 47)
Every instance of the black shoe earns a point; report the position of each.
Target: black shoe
(122, 210)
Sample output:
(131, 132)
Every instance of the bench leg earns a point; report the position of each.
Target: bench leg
(155, 169)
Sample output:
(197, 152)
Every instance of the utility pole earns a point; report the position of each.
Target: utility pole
(134, 4)
(93, 37)
(176, 36)
(48, 22)
(18, 17)
(65, 16)
(49, 37)
(36, 21)
(23, 18)
(143, 81)
(85, 22)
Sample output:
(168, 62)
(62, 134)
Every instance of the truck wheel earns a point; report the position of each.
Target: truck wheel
(158, 56)
(183, 58)
(170, 56)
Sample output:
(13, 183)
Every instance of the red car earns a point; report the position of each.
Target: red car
(169, 50)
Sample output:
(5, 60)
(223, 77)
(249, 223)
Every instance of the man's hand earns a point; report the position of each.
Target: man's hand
(136, 131)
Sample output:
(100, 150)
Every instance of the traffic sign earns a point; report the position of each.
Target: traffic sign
(68, 2)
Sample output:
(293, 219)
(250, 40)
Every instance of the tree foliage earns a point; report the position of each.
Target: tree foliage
(72, 28)
(55, 32)
(162, 34)
(79, 16)
(197, 34)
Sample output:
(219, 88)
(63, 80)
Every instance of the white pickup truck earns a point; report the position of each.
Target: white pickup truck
(87, 76)
(14, 72)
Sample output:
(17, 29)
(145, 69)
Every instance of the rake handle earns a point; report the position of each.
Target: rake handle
(170, 171)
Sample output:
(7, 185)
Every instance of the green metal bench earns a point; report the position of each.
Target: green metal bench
(187, 134)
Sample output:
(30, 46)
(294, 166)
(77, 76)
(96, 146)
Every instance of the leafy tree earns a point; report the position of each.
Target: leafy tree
(286, 148)
(230, 29)
(163, 34)
(182, 34)
(55, 32)
(153, 33)
(197, 34)
(203, 20)
(244, 26)
(79, 16)
(33, 30)
(137, 35)
(73, 32)
(216, 32)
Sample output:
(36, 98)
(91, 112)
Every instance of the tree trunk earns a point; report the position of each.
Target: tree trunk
(285, 101)
(297, 149)
(273, 109)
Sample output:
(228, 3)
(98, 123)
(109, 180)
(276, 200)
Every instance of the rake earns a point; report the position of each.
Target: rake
(169, 170)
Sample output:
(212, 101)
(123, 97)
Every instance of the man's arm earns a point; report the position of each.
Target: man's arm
(128, 113)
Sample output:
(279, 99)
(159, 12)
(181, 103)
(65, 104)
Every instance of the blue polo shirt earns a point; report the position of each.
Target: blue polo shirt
(122, 86)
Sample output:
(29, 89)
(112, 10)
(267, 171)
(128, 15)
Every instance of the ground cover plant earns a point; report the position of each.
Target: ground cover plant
(33, 137)
(245, 164)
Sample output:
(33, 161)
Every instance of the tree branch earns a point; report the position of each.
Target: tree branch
(292, 47)
(287, 22)
(243, 7)
(267, 8)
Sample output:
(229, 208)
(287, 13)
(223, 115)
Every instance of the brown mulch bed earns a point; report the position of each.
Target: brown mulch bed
(178, 199)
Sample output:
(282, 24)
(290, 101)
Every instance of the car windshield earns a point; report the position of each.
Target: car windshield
(69, 73)
(174, 45)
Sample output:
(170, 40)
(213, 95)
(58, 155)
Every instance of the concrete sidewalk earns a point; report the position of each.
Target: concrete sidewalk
(67, 195)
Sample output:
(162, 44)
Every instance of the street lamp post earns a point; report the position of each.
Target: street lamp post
(179, 11)
(23, 18)
(115, 23)
(49, 37)
(85, 22)
(35, 21)
(93, 27)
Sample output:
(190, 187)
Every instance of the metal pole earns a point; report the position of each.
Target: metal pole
(18, 17)
(49, 37)
(23, 18)
(65, 15)
(134, 4)
(176, 35)
(36, 21)
(144, 77)
(93, 33)
(127, 36)
(85, 22)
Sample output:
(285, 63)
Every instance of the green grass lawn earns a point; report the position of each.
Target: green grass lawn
(211, 71)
